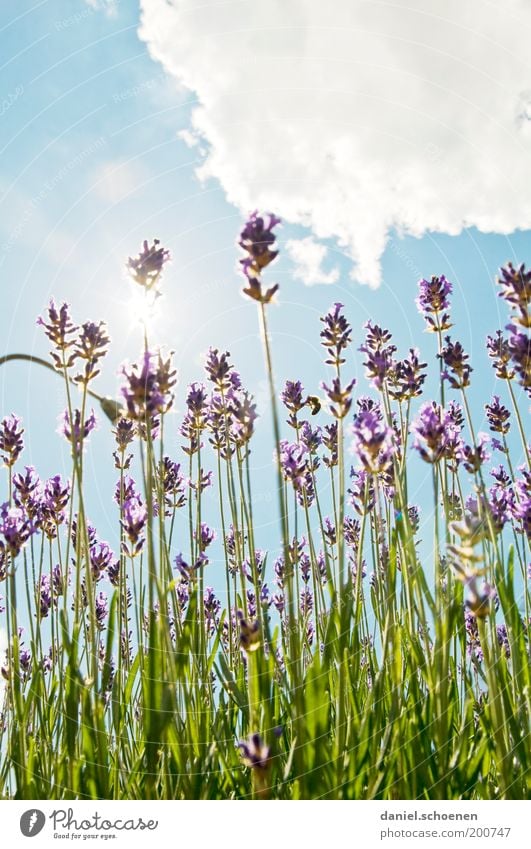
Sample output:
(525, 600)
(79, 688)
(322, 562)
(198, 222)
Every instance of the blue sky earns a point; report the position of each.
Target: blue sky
(92, 162)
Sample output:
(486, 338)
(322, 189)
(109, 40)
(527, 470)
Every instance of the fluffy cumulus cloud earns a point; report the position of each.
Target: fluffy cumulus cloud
(308, 256)
(358, 118)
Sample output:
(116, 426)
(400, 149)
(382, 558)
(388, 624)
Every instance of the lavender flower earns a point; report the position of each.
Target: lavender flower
(331, 444)
(188, 571)
(11, 442)
(380, 362)
(432, 430)
(455, 359)
(15, 527)
(44, 596)
(74, 431)
(340, 398)
(101, 610)
(91, 346)
(407, 377)
(147, 267)
(250, 636)
(219, 370)
(500, 353)
(101, 558)
(473, 456)
(59, 329)
(432, 300)
(173, 488)
(257, 240)
(147, 390)
(335, 335)
(374, 442)
(520, 349)
(133, 522)
(516, 290)
(498, 416)
(255, 754)
(361, 491)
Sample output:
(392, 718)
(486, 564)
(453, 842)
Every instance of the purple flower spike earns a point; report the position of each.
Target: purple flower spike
(59, 329)
(374, 442)
(473, 456)
(432, 430)
(255, 754)
(432, 300)
(11, 442)
(516, 290)
(146, 268)
(500, 354)
(498, 416)
(258, 240)
(15, 527)
(91, 346)
(455, 359)
(75, 432)
(340, 398)
(520, 349)
(336, 334)
(134, 518)
(147, 390)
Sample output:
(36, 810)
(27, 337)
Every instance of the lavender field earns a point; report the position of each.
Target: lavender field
(377, 649)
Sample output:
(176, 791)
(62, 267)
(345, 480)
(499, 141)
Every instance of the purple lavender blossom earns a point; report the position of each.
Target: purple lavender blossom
(91, 346)
(293, 463)
(147, 267)
(59, 329)
(11, 442)
(255, 754)
(173, 487)
(257, 240)
(458, 370)
(219, 370)
(101, 610)
(336, 334)
(432, 430)
(374, 442)
(380, 363)
(311, 438)
(516, 290)
(330, 442)
(75, 432)
(147, 390)
(15, 528)
(474, 456)
(500, 354)
(361, 491)
(520, 349)
(498, 416)
(101, 557)
(188, 571)
(432, 300)
(407, 377)
(133, 522)
(44, 596)
(340, 397)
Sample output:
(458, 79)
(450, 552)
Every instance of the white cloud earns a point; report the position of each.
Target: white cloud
(359, 117)
(308, 256)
